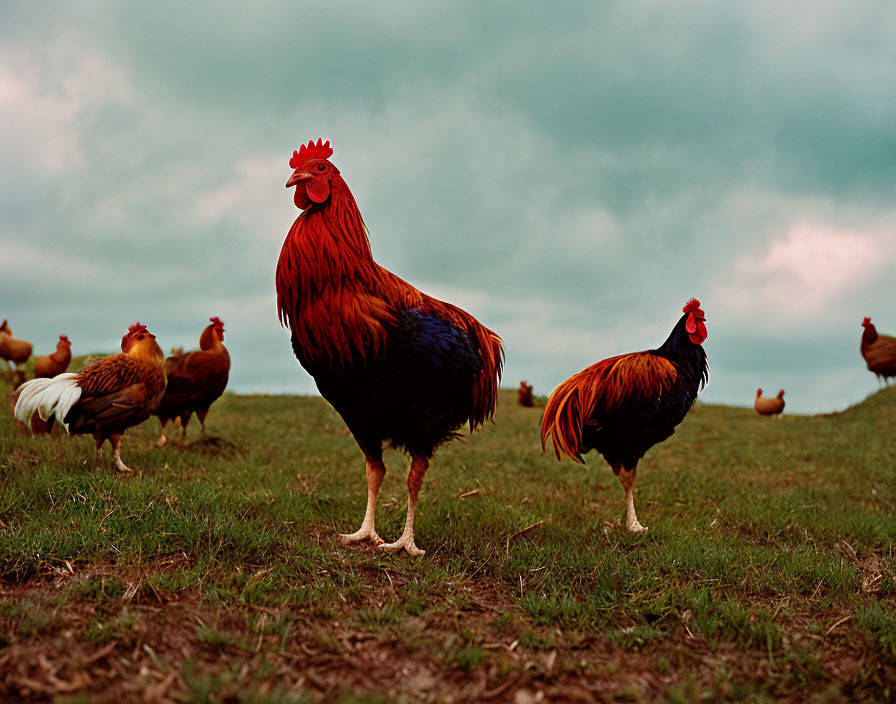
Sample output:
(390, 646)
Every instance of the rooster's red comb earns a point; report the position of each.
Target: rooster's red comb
(63, 337)
(866, 321)
(136, 328)
(217, 321)
(321, 150)
(692, 306)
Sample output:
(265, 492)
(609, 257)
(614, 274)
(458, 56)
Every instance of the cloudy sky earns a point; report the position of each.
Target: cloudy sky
(569, 173)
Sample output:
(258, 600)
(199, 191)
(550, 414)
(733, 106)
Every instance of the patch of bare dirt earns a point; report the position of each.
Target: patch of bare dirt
(150, 647)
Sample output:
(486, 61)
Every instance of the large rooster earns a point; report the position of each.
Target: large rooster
(399, 366)
(623, 406)
(195, 380)
(878, 351)
(105, 398)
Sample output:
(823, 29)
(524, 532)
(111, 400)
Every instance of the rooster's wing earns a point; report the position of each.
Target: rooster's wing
(116, 393)
(619, 390)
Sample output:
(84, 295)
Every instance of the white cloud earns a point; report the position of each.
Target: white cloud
(251, 194)
(801, 274)
(47, 91)
(32, 267)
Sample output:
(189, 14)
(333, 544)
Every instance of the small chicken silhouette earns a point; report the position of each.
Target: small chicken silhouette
(769, 406)
(195, 380)
(14, 350)
(878, 351)
(524, 395)
(49, 365)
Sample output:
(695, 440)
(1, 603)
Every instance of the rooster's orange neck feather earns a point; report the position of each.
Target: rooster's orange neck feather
(325, 279)
(869, 334)
(147, 349)
(209, 339)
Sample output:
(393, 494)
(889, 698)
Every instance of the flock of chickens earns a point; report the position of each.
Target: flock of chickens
(402, 368)
(117, 392)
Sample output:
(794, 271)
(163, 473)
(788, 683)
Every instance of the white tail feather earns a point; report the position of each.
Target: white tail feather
(27, 391)
(48, 396)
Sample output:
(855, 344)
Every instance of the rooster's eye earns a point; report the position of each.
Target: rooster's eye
(320, 167)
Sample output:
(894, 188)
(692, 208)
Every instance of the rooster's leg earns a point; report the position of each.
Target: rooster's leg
(162, 439)
(376, 470)
(99, 450)
(627, 479)
(201, 416)
(116, 454)
(419, 465)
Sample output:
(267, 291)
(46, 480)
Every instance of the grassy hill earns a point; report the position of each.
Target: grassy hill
(213, 573)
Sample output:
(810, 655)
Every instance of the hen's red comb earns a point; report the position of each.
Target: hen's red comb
(692, 306)
(63, 337)
(866, 321)
(136, 328)
(321, 150)
(217, 321)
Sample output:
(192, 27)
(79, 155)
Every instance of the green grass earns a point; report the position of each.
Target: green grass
(767, 571)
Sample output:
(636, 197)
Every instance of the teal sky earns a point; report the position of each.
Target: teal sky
(570, 173)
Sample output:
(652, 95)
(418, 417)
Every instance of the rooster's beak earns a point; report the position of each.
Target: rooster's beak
(298, 177)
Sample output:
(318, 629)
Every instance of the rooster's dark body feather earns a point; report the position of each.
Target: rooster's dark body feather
(413, 395)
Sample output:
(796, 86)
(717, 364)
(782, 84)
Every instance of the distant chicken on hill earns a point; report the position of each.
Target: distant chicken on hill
(623, 406)
(195, 380)
(524, 395)
(46, 367)
(769, 406)
(400, 367)
(879, 351)
(105, 398)
(49, 365)
(12, 349)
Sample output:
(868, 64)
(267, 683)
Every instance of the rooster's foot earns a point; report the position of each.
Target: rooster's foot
(161, 441)
(635, 527)
(119, 465)
(406, 541)
(362, 534)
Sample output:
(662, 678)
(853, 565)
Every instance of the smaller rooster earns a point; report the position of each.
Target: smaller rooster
(12, 349)
(879, 352)
(623, 406)
(769, 406)
(105, 398)
(524, 395)
(195, 380)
